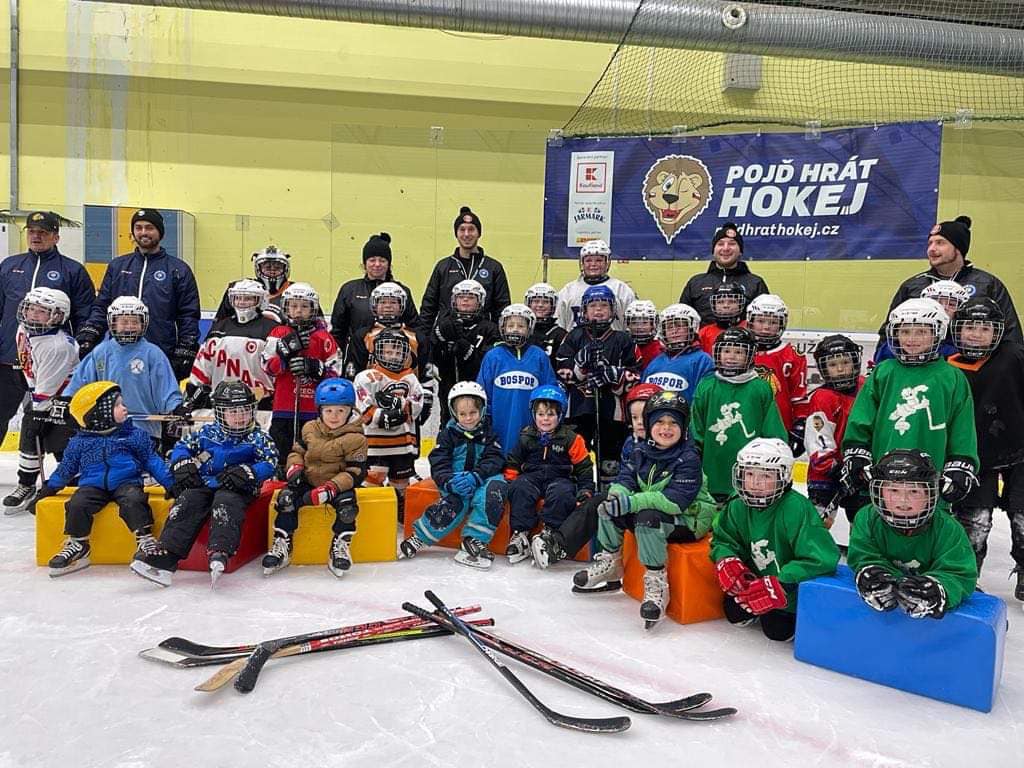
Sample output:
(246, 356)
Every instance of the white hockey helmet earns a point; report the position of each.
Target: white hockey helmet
(516, 338)
(292, 296)
(268, 256)
(468, 288)
(388, 291)
(542, 292)
(56, 303)
(124, 306)
(949, 293)
(921, 313)
(679, 316)
(641, 318)
(251, 289)
(774, 457)
(466, 389)
(595, 248)
(768, 306)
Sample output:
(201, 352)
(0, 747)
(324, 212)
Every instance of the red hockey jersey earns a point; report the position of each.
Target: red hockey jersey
(786, 370)
(827, 412)
(322, 347)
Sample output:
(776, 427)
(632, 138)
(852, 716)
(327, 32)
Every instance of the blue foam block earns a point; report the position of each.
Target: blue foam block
(958, 658)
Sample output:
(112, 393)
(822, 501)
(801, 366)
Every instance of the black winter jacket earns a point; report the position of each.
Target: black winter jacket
(697, 292)
(565, 455)
(352, 308)
(437, 297)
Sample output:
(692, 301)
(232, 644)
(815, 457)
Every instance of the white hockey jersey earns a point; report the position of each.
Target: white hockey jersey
(374, 382)
(233, 352)
(47, 360)
(571, 295)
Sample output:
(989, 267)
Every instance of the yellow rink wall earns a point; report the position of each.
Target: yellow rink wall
(314, 135)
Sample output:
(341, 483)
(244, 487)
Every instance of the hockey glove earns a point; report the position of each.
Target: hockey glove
(446, 331)
(239, 478)
(614, 506)
(796, 437)
(877, 587)
(196, 397)
(306, 367)
(186, 475)
(428, 407)
(322, 494)
(45, 492)
(182, 358)
(391, 418)
(386, 401)
(583, 495)
(921, 596)
(88, 337)
(733, 575)
(763, 595)
(856, 472)
(958, 480)
(176, 427)
(296, 479)
(58, 411)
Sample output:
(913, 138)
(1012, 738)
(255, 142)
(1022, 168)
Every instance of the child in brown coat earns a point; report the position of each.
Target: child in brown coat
(325, 466)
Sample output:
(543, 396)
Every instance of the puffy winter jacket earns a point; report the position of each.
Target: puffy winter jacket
(450, 270)
(462, 450)
(110, 461)
(21, 273)
(217, 450)
(697, 292)
(165, 284)
(331, 455)
(560, 454)
(352, 308)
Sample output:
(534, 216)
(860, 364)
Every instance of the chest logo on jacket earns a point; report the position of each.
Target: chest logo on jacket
(159, 275)
(731, 414)
(137, 366)
(53, 275)
(763, 557)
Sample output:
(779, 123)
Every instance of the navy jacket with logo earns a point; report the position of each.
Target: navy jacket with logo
(562, 454)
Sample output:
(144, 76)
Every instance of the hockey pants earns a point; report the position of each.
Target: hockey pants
(290, 499)
(224, 508)
(482, 512)
(653, 531)
(132, 506)
(776, 625)
(559, 495)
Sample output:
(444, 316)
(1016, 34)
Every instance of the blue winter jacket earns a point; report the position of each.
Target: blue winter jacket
(168, 289)
(110, 461)
(143, 372)
(217, 450)
(460, 450)
(21, 273)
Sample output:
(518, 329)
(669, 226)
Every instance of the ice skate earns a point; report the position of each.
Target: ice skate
(474, 554)
(1018, 591)
(409, 547)
(602, 575)
(547, 548)
(146, 544)
(339, 559)
(652, 609)
(73, 557)
(18, 500)
(160, 576)
(518, 547)
(280, 554)
(218, 562)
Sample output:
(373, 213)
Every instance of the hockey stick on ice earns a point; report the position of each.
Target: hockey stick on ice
(584, 724)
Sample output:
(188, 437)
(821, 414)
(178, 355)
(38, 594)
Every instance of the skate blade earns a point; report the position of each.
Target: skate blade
(479, 563)
(149, 573)
(339, 572)
(17, 510)
(214, 576)
(78, 565)
(513, 559)
(609, 586)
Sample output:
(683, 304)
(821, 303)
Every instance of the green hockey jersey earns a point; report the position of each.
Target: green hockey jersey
(928, 407)
(787, 540)
(941, 550)
(724, 417)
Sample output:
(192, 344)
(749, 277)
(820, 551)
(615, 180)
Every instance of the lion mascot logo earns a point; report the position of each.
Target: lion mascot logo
(677, 189)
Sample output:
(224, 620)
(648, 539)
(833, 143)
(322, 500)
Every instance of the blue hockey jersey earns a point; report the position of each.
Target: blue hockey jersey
(509, 376)
(680, 373)
(216, 450)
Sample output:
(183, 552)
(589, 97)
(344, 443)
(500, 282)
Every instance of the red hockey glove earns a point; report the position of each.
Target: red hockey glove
(763, 595)
(323, 494)
(733, 576)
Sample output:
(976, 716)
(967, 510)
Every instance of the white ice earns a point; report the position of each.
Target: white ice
(75, 693)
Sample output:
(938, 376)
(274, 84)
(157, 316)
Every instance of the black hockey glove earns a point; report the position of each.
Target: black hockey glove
(428, 407)
(386, 401)
(239, 478)
(45, 492)
(391, 418)
(196, 397)
(605, 376)
(87, 337)
(182, 358)
(796, 437)
(921, 597)
(176, 427)
(446, 331)
(856, 472)
(289, 345)
(877, 587)
(186, 475)
(59, 412)
(306, 367)
(958, 480)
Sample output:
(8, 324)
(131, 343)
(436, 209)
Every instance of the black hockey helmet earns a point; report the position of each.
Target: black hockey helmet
(836, 347)
(728, 291)
(915, 500)
(973, 316)
(666, 403)
(391, 350)
(231, 396)
(734, 338)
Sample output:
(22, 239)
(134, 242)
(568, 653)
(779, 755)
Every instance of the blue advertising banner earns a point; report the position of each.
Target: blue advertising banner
(857, 193)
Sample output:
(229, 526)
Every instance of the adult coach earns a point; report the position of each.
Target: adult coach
(468, 262)
(948, 244)
(42, 266)
(163, 282)
(727, 266)
(352, 306)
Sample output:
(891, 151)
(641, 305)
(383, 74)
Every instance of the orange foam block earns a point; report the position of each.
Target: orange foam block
(694, 594)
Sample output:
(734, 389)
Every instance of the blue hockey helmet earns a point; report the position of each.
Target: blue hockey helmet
(550, 393)
(593, 295)
(335, 392)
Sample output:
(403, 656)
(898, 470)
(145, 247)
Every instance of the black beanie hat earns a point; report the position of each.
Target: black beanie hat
(151, 215)
(466, 213)
(724, 231)
(378, 245)
(958, 232)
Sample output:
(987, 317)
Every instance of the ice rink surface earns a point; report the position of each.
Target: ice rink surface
(75, 692)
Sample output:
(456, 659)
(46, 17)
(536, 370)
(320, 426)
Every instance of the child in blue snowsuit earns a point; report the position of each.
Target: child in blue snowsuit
(510, 371)
(466, 465)
(138, 367)
(108, 456)
(217, 472)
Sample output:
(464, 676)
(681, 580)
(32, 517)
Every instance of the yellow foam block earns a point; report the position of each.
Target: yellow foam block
(376, 529)
(111, 542)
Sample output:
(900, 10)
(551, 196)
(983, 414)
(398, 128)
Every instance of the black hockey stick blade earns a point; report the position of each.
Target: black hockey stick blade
(586, 725)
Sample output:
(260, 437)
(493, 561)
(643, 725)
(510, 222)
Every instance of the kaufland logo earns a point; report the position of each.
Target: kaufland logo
(591, 177)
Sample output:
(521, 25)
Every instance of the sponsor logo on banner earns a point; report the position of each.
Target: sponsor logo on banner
(590, 198)
(677, 189)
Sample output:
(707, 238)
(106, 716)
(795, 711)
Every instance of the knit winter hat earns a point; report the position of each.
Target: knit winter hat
(151, 215)
(958, 232)
(466, 216)
(378, 245)
(727, 230)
